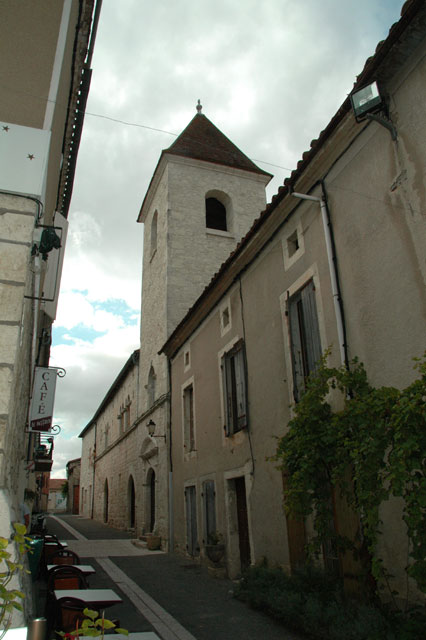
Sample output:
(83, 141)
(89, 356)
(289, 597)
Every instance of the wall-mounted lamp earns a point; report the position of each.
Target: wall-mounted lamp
(367, 102)
(151, 428)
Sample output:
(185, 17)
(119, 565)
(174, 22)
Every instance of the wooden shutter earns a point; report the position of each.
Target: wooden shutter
(240, 384)
(313, 342)
(304, 336)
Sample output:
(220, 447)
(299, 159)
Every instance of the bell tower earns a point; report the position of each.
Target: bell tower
(202, 199)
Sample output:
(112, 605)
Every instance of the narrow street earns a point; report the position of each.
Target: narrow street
(164, 594)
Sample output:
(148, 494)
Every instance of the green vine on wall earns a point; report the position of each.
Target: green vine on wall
(366, 443)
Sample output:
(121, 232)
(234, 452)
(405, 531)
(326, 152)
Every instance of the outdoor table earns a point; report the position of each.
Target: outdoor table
(17, 633)
(87, 569)
(137, 635)
(100, 598)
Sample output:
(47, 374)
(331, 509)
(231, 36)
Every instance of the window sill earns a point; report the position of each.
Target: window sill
(217, 232)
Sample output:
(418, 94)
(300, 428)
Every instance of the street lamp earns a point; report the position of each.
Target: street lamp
(151, 428)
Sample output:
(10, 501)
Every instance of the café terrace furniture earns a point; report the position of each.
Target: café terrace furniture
(86, 569)
(62, 577)
(66, 576)
(65, 556)
(136, 635)
(96, 598)
(69, 614)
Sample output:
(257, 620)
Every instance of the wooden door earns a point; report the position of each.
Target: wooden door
(191, 522)
(76, 499)
(242, 517)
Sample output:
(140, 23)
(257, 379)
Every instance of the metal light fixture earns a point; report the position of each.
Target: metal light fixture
(151, 428)
(367, 102)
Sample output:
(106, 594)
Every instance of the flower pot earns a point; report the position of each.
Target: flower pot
(215, 552)
(153, 542)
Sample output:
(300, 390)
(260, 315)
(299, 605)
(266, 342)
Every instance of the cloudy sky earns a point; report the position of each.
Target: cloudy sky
(270, 75)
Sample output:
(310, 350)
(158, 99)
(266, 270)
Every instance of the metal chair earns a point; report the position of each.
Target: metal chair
(66, 577)
(69, 614)
(65, 556)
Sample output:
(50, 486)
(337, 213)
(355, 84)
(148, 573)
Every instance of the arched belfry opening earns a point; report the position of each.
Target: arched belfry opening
(216, 216)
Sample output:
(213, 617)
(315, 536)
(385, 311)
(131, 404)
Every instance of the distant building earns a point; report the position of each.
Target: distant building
(203, 197)
(57, 501)
(73, 478)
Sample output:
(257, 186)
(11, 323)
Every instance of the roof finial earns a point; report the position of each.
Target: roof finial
(199, 106)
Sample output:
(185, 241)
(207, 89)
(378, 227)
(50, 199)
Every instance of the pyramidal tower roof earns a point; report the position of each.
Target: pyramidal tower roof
(201, 140)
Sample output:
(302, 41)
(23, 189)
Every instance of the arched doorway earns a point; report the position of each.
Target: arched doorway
(151, 490)
(131, 501)
(106, 501)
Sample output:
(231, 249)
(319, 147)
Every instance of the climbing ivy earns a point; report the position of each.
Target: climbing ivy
(366, 443)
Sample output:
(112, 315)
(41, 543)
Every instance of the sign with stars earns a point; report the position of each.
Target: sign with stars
(23, 158)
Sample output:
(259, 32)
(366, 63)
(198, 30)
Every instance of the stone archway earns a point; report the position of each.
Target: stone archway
(131, 502)
(151, 500)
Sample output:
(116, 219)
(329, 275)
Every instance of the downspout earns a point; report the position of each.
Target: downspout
(169, 420)
(93, 480)
(331, 257)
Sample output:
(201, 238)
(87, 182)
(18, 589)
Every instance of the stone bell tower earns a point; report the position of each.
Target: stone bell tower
(202, 199)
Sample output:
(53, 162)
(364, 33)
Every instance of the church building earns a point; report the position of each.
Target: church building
(202, 199)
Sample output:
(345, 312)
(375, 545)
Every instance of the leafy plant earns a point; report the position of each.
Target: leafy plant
(93, 626)
(215, 538)
(64, 489)
(366, 444)
(10, 598)
(313, 602)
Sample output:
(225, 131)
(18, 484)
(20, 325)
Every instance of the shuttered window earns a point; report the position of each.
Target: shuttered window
(235, 389)
(304, 336)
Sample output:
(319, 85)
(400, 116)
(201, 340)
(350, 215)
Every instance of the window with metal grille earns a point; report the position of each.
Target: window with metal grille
(235, 389)
(304, 336)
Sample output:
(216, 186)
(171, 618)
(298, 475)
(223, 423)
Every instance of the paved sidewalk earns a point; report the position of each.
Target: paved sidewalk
(171, 595)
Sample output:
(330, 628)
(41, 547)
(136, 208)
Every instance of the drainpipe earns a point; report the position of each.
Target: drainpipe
(169, 419)
(93, 480)
(326, 223)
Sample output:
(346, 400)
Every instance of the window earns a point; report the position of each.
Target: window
(154, 233)
(292, 244)
(235, 391)
(304, 336)
(150, 387)
(186, 360)
(215, 214)
(188, 419)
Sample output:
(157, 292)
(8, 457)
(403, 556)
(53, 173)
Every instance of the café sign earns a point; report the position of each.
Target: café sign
(41, 409)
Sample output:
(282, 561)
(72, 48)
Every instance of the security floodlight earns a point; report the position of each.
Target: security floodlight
(366, 100)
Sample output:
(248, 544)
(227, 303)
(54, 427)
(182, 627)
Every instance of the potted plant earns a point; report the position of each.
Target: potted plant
(153, 541)
(215, 548)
